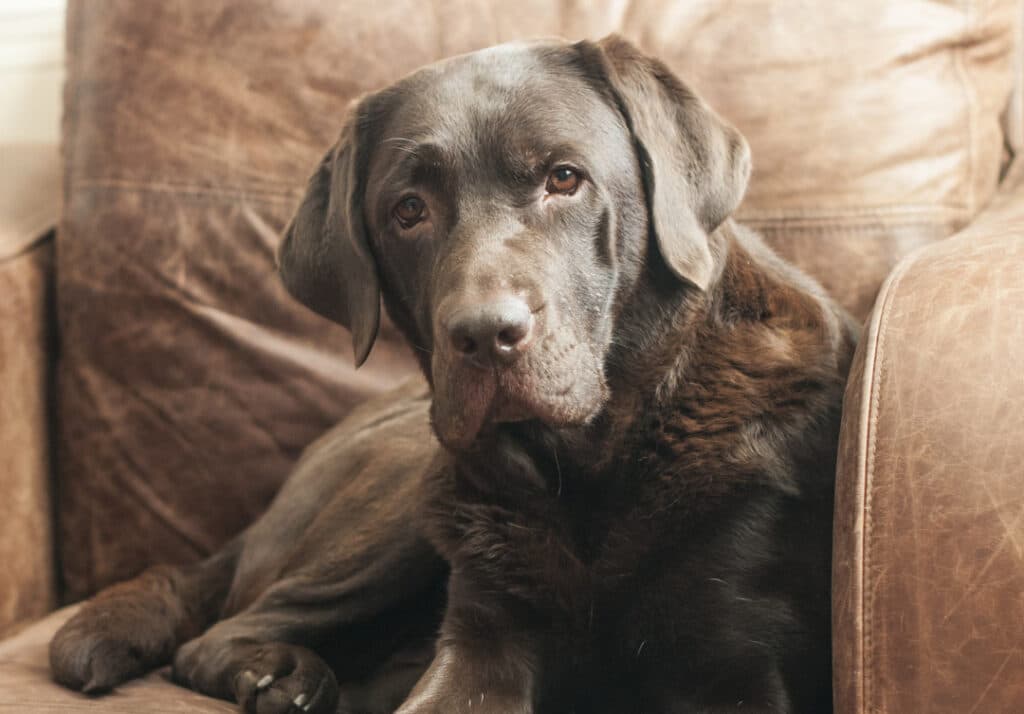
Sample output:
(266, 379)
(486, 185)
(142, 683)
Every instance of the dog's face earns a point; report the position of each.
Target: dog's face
(502, 202)
(494, 200)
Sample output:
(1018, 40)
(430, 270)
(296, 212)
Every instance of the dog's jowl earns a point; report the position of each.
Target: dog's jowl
(613, 492)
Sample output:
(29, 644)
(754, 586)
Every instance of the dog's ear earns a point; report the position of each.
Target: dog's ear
(324, 258)
(695, 165)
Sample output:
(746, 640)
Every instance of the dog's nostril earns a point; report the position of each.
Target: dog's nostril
(464, 343)
(512, 335)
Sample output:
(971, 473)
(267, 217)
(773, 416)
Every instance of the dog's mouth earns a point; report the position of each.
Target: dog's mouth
(467, 400)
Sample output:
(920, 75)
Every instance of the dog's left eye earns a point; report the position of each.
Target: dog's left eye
(410, 211)
(564, 180)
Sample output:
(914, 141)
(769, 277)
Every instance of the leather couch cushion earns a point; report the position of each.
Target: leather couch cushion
(26, 687)
(189, 382)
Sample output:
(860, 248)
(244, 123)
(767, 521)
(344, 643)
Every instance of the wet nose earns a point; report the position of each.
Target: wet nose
(498, 331)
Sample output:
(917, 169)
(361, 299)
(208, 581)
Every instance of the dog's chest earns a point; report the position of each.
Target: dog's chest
(583, 543)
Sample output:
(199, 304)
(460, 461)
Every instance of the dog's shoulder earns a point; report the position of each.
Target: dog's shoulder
(760, 390)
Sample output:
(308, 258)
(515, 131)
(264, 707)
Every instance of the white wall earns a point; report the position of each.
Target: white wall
(31, 81)
(31, 69)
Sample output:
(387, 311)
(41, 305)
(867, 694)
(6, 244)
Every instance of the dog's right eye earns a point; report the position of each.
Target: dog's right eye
(410, 211)
(564, 180)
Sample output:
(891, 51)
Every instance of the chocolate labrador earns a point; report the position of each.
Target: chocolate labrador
(614, 492)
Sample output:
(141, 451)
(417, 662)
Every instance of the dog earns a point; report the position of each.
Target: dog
(613, 490)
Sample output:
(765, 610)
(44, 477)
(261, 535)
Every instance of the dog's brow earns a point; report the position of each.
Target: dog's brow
(423, 162)
(528, 165)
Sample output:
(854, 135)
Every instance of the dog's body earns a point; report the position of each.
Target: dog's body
(627, 507)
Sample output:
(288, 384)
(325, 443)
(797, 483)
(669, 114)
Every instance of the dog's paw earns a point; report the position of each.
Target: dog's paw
(104, 645)
(286, 679)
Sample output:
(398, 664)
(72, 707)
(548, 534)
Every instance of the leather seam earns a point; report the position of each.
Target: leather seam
(871, 393)
(866, 225)
(187, 190)
(886, 214)
(868, 210)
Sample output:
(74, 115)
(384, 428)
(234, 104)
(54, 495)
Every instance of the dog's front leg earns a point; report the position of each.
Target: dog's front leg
(477, 678)
(132, 627)
(484, 664)
(270, 657)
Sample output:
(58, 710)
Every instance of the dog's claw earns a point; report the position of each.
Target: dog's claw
(265, 682)
(301, 700)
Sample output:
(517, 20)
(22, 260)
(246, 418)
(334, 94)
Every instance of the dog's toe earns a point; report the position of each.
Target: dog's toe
(285, 679)
(92, 661)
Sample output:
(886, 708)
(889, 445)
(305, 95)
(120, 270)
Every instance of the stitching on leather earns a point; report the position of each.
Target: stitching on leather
(850, 228)
(188, 189)
(873, 210)
(869, 413)
(874, 214)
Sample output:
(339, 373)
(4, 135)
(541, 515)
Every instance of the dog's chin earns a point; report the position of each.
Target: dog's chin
(466, 405)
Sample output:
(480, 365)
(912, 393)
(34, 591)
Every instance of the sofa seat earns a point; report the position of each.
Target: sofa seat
(25, 684)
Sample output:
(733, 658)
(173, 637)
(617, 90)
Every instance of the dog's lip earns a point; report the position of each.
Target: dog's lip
(514, 403)
(483, 396)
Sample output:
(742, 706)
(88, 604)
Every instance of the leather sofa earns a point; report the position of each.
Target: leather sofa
(156, 382)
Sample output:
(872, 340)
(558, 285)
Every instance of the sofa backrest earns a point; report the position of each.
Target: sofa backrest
(189, 382)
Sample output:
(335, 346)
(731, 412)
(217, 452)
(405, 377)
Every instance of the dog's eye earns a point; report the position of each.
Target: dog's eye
(563, 180)
(410, 211)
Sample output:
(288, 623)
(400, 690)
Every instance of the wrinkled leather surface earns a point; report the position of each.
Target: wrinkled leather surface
(27, 568)
(189, 382)
(25, 684)
(928, 582)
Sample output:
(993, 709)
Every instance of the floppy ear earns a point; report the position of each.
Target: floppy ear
(695, 165)
(324, 258)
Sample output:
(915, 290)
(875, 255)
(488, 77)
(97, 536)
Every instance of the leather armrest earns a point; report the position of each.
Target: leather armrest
(928, 573)
(26, 546)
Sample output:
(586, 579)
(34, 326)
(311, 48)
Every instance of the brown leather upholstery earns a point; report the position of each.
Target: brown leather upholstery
(27, 687)
(188, 381)
(27, 571)
(928, 586)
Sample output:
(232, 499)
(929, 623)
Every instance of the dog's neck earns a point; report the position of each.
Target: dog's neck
(657, 329)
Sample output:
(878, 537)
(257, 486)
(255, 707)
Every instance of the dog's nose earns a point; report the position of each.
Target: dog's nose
(495, 331)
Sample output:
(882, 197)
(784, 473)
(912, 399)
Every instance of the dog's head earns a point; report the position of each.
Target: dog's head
(503, 202)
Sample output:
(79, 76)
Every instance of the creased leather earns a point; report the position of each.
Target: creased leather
(928, 580)
(27, 569)
(25, 684)
(189, 381)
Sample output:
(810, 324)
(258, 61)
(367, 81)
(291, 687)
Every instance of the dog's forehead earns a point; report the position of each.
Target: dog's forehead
(510, 87)
(501, 67)
(497, 70)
